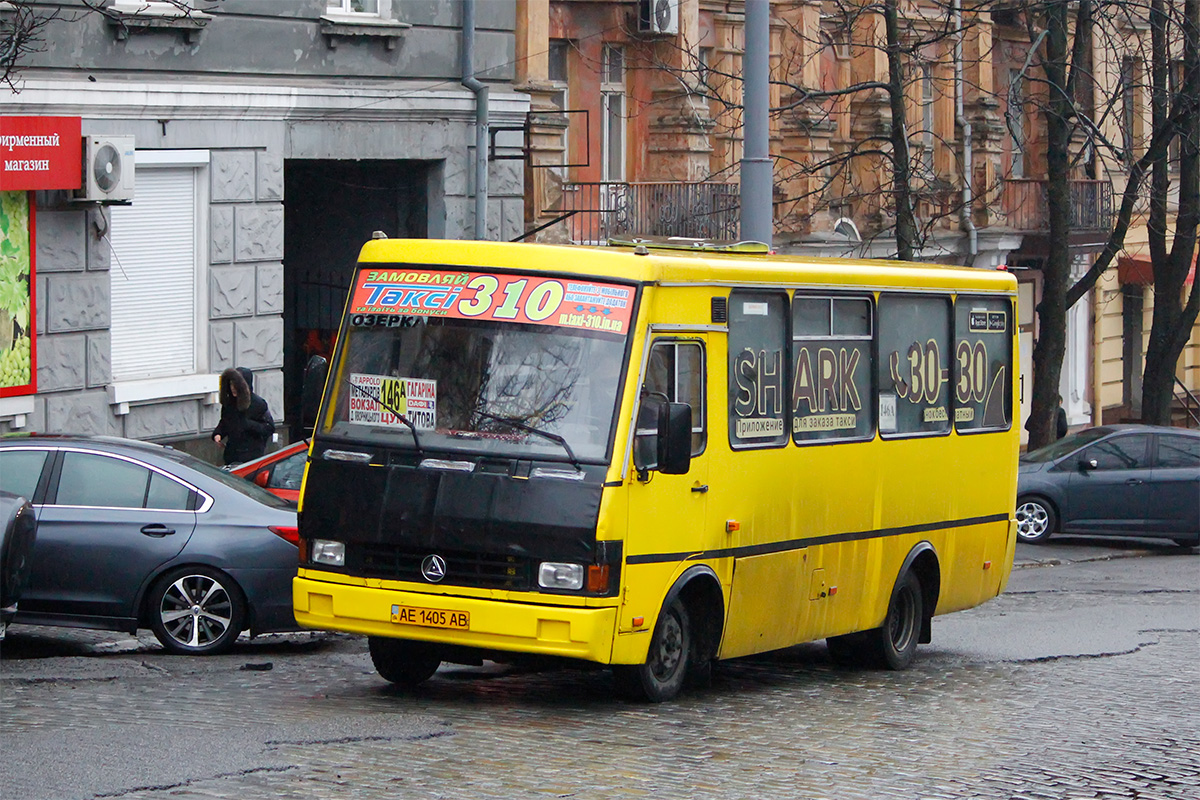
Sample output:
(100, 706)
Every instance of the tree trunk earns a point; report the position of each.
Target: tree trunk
(1056, 272)
(1173, 320)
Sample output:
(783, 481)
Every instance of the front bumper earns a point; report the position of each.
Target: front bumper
(570, 632)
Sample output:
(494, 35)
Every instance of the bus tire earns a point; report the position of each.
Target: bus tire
(662, 676)
(404, 663)
(894, 644)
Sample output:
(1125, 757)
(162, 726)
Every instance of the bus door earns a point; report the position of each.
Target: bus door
(666, 512)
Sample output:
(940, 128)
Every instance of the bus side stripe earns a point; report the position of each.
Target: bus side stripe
(799, 544)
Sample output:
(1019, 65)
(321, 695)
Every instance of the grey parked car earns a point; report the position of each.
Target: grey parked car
(135, 535)
(1140, 480)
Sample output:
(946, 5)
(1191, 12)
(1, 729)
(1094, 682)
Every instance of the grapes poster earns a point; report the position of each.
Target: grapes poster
(17, 365)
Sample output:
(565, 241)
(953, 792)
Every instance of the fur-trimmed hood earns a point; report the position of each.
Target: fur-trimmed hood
(240, 378)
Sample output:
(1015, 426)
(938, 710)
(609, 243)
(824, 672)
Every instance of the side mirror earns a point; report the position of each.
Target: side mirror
(263, 478)
(315, 372)
(1088, 465)
(674, 438)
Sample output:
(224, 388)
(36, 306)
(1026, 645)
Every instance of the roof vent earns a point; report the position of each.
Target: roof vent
(378, 235)
(720, 310)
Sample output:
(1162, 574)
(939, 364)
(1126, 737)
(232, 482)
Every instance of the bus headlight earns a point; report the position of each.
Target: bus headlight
(326, 551)
(554, 575)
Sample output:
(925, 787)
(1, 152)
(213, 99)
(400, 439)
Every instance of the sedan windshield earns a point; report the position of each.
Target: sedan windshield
(515, 389)
(1065, 445)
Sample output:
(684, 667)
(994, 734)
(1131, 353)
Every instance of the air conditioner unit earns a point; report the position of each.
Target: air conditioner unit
(658, 17)
(108, 166)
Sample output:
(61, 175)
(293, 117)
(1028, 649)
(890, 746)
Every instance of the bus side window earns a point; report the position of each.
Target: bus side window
(758, 345)
(831, 368)
(913, 371)
(982, 363)
(674, 374)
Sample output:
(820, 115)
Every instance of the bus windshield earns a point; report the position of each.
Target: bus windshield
(479, 386)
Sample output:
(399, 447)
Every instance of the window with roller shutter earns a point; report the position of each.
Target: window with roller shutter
(159, 268)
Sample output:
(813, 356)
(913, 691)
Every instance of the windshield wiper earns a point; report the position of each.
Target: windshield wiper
(521, 426)
(388, 407)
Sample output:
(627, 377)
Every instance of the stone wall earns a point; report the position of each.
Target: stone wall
(73, 306)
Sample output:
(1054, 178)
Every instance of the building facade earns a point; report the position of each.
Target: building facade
(270, 138)
(635, 129)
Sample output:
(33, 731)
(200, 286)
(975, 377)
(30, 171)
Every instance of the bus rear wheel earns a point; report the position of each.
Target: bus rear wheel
(893, 645)
(662, 676)
(896, 640)
(404, 663)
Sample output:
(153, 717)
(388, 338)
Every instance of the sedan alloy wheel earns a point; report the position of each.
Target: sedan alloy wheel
(197, 611)
(1035, 519)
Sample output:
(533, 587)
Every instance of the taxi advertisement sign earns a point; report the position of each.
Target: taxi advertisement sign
(563, 302)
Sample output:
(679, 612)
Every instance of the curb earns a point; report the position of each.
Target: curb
(1058, 562)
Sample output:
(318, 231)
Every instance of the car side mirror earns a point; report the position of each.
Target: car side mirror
(674, 438)
(263, 478)
(1088, 465)
(315, 372)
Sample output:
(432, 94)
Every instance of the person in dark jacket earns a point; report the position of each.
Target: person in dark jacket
(1060, 421)
(246, 425)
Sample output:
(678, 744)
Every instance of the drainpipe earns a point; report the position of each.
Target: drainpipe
(961, 118)
(481, 118)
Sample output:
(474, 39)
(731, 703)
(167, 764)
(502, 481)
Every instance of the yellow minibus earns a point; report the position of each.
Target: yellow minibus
(656, 457)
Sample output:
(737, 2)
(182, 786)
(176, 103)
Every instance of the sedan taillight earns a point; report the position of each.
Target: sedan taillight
(290, 533)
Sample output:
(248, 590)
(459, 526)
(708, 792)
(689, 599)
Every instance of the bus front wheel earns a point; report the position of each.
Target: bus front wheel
(662, 676)
(404, 663)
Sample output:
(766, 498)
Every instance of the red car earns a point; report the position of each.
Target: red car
(280, 472)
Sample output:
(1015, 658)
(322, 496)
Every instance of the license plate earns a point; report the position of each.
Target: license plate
(431, 617)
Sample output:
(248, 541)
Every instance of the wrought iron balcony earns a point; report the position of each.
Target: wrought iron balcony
(1026, 207)
(599, 211)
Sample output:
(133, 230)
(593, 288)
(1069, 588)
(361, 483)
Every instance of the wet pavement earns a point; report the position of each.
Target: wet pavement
(1081, 682)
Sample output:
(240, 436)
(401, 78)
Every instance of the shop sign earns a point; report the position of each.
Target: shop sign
(18, 348)
(40, 153)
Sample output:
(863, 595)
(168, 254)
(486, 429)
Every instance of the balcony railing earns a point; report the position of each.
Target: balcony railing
(694, 210)
(1026, 207)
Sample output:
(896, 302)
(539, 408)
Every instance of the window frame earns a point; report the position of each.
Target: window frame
(736, 444)
(200, 501)
(928, 117)
(48, 461)
(676, 342)
(561, 93)
(1158, 440)
(881, 363)
(1014, 409)
(1082, 455)
(195, 382)
(1016, 124)
(871, 403)
(341, 8)
(613, 91)
(1130, 106)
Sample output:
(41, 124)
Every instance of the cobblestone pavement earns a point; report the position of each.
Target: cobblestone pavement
(320, 724)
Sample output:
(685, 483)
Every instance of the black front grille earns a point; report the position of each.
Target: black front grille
(480, 570)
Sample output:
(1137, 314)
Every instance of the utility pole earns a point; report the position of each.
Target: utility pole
(757, 173)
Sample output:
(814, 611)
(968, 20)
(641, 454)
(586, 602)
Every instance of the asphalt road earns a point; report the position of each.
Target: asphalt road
(1082, 681)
